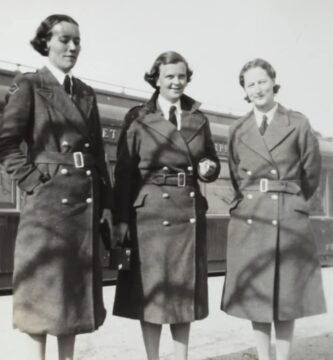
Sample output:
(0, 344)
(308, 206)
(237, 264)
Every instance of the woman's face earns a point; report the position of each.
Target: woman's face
(172, 81)
(259, 88)
(64, 46)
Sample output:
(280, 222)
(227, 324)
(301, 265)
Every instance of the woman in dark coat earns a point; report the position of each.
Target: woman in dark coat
(273, 273)
(161, 157)
(57, 274)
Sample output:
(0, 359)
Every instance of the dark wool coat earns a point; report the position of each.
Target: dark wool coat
(57, 274)
(167, 282)
(272, 265)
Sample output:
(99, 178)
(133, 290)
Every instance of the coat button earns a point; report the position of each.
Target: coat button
(64, 171)
(165, 196)
(88, 200)
(64, 201)
(165, 169)
(274, 222)
(64, 143)
(273, 171)
(249, 172)
(274, 196)
(189, 168)
(87, 145)
(192, 194)
(249, 221)
(88, 172)
(193, 221)
(166, 223)
(249, 196)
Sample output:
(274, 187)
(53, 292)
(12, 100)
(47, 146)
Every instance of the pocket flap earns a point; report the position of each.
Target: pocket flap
(140, 199)
(302, 206)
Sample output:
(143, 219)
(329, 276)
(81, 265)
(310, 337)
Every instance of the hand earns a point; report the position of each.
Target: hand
(105, 214)
(206, 168)
(119, 233)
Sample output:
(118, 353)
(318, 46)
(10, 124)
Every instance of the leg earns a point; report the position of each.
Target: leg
(151, 337)
(284, 333)
(66, 347)
(35, 347)
(180, 334)
(262, 332)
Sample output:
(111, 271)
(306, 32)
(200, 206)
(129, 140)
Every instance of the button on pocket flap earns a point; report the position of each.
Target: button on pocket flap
(140, 200)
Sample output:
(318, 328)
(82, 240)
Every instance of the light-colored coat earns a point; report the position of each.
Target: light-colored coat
(57, 275)
(272, 265)
(168, 279)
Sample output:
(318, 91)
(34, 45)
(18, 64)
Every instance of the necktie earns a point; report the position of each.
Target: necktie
(263, 125)
(172, 115)
(68, 85)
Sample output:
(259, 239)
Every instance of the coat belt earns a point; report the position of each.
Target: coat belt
(76, 159)
(267, 185)
(180, 179)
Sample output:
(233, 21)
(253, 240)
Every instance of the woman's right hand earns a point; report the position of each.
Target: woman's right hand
(119, 233)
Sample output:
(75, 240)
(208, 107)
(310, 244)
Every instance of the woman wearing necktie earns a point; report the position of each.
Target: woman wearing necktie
(273, 273)
(62, 174)
(164, 149)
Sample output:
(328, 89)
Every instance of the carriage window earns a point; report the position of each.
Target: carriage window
(213, 192)
(8, 193)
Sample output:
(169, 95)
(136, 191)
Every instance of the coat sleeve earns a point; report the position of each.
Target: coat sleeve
(126, 171)
(210, 154)
(232, 196)
(107, 200)
(310, 160)
(16, 126)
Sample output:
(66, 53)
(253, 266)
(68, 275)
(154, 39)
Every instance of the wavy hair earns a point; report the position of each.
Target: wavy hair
(44, 32)
(168, 57)
(262, 64)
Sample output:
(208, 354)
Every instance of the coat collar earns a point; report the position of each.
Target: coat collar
(75, 111)
(190, 124)
(279, 129)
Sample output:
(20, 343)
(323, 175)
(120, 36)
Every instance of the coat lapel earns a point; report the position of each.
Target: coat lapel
(278, 129)
(157, 123)
(191, 124)
(56, 96)
(252, 138)
(155, 120)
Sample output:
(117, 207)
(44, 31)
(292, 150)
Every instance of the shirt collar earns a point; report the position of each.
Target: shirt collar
(165, 106)
(58, 74)
(270, 114)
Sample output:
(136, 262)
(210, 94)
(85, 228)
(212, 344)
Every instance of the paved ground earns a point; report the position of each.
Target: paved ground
(219, 337)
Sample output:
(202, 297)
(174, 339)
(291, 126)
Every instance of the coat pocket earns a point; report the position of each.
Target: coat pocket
(301, 206)
(140, 200)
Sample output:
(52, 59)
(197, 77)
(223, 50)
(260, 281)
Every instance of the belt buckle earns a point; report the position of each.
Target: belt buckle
(78, 159)
(263, 185)
(181, 179)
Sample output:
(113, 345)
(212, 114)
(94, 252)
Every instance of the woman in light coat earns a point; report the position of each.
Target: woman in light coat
(273, 272)
(164, 149)
(57, 281)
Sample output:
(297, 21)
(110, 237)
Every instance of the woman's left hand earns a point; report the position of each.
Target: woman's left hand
(206, 168)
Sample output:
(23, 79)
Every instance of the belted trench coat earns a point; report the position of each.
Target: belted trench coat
(57, 275)
(168, 279)
(273, 270)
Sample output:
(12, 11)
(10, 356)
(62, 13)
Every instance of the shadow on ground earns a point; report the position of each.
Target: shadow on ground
(311, 348)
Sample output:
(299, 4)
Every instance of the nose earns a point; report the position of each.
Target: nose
(72, 46)
(176, 80)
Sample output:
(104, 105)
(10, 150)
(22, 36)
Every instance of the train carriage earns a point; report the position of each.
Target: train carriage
(113, 106)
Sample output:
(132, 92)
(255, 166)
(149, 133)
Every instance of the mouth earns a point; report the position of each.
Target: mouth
(71, 57)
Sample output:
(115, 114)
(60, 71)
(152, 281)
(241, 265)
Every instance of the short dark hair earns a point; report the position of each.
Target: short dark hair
(168, 57)
(262, 64)
(44, 32)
